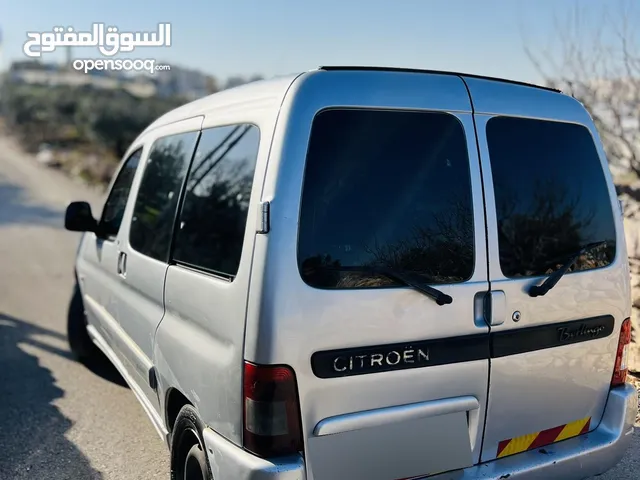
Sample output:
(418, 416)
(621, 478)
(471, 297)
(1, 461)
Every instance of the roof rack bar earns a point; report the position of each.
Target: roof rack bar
(440, 72)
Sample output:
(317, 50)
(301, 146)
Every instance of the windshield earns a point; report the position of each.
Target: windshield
(551, 196)
(386, 189)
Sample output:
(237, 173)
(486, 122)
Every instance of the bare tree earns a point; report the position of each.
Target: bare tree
(601, 68)
(599, 64)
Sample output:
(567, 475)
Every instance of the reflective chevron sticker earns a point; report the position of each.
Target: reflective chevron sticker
(540, 439)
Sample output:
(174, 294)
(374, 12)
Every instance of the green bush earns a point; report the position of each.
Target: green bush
(65, 116)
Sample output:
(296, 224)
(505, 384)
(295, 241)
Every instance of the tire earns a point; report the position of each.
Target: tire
(188, 454)
(80, 342)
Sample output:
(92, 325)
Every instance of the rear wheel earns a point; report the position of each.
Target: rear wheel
(80, 342)
(195, 466)
(188, 455)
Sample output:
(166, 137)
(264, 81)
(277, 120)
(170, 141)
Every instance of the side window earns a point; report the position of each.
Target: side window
(213, 219)
(113, 209)
(157, 201)
(551, 196)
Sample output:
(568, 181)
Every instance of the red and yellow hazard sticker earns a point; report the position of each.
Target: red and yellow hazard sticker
(540, 439)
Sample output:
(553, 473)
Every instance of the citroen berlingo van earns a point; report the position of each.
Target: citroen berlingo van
(366, 273)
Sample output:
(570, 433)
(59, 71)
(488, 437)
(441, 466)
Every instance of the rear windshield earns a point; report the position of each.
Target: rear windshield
(551, 196)
(386, 189)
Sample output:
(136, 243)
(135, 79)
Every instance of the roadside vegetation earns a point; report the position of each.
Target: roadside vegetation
(85, 130)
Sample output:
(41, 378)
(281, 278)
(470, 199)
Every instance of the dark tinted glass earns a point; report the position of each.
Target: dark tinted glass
(214, 215)
(386, 189)
(157, 201)
(551, 196)
(113, 209)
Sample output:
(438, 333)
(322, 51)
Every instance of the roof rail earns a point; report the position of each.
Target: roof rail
(441, 72)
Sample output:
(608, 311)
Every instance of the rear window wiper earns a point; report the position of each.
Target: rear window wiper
(410, 279)
(550, 282)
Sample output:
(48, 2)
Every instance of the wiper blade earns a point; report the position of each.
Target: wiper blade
(408, 278)
(550, 282)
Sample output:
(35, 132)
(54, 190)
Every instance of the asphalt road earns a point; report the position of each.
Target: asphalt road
(58, 420)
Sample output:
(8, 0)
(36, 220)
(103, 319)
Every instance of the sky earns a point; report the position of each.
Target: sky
(245, 37)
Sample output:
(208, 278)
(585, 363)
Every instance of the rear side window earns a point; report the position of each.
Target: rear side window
(551, 196)
(213, 219)
(385, 189)
(157, 201)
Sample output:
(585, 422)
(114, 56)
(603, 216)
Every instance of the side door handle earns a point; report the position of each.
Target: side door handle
(122, 264)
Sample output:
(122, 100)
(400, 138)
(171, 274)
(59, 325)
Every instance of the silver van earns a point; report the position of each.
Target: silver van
(366, 273)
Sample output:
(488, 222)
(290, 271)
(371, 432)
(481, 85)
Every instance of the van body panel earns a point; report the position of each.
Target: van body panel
(292, 320)
(198, 321)
(97, 279)
(205, 314)
(541, 389)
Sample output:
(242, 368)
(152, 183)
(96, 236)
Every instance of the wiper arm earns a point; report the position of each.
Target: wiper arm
(550, 282)
(408, 278)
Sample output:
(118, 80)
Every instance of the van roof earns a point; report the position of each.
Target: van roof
(439, 72)
(261, 91)
(273, 91)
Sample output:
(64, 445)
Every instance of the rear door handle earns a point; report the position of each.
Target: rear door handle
(122, 264)
(495, 307)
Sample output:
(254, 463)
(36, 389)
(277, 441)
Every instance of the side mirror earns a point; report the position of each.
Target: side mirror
(78, 218)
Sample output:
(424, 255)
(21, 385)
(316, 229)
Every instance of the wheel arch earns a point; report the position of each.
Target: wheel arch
(174, 401)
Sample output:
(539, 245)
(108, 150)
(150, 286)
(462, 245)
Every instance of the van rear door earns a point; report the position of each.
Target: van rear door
(549, 196)
(391, 384)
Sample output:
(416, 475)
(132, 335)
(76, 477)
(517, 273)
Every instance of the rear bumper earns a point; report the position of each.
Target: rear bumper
(230, 462)
(574, 459)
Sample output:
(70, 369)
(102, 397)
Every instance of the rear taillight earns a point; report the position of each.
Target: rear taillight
(272, 424)
(620, 371)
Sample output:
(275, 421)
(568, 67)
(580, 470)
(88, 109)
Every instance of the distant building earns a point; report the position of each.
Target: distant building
(177, 82)
(31, 65)
(37, 73)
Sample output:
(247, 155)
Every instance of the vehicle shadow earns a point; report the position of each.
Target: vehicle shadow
(103, 367)
(33, 442)
(16, 209)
